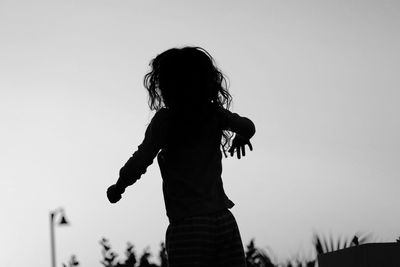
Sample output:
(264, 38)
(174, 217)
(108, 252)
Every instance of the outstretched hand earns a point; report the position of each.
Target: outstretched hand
(239, 145)
(113, 194)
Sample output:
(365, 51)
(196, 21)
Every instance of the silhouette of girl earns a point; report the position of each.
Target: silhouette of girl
(191, 127)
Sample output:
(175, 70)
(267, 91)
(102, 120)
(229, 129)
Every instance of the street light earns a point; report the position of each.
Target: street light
(62, 221)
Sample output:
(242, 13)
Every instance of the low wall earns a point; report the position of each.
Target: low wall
(365, 255)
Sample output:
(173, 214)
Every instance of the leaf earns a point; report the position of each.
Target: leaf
(318, 244)
(326, 249)
(332, 248)
(338, 244)
(355, 241)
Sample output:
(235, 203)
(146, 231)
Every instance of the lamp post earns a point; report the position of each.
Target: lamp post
(62, 221)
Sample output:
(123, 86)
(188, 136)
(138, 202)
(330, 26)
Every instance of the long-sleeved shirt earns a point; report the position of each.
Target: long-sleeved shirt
(189, 157)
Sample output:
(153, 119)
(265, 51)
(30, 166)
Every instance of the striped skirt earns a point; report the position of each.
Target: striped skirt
(207, 240)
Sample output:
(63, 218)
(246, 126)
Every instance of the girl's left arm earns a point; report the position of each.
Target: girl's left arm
(137, 164)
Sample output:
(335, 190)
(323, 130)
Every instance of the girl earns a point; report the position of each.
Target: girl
(192, 122)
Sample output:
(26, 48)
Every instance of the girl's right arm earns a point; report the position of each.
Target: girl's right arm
(243, 128)
(237, 124)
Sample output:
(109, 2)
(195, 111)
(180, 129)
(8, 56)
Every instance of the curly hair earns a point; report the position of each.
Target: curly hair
(187, 75)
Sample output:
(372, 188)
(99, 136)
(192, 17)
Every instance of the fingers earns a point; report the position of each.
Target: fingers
(231, 151)
(240, 151)
(250, 146)
(233, 148)
(240, 148)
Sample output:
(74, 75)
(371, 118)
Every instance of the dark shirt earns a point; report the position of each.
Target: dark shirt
(189, 157)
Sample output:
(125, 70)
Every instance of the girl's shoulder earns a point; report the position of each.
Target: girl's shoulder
(161, 114)
(160, 117)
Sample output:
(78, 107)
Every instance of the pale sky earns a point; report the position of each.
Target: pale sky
(320, 79)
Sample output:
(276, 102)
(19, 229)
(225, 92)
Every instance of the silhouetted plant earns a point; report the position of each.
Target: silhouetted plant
(163, 255)
(256, 257)
(72, 262)
(144, 259)
(110, 257)
(130, 256)
(324, 245)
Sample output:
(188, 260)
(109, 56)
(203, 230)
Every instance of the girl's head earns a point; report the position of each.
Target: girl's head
(185, 78)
